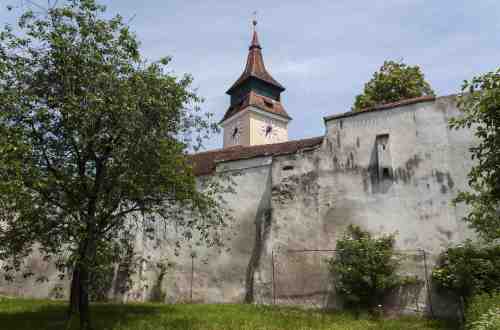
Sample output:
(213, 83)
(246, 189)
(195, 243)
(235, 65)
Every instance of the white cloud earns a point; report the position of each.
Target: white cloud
(322, 51)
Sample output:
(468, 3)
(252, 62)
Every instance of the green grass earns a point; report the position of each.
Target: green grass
(43, 315)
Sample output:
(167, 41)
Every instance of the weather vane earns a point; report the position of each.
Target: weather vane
(254, 21)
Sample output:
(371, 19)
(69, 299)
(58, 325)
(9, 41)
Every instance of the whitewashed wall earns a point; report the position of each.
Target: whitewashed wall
(307, 199)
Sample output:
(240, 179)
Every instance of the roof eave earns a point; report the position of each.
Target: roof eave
(285, 116)
(240, 82)
(382, 107)
(274, 113)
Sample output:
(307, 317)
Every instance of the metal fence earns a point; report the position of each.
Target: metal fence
(303, 277)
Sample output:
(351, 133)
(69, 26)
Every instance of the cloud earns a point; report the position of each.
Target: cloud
(323, 52)
(305, 67)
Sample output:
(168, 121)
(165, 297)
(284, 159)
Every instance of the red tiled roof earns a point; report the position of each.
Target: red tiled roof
(383, 107)
(255, 66)
(261, 102)
(205, 162)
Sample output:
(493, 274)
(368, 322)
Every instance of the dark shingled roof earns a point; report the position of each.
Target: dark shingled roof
(261, 102)
(255, 67)
(205, 162)
(382, 107)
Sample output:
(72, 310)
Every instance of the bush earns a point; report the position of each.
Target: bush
(365, 268)
(483, 312)
(469, 269)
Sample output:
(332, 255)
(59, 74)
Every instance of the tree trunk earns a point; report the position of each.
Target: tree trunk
(79, 295)
(74, 298)
(84, 299)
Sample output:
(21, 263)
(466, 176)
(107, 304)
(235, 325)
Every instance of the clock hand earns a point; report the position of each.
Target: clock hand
(268, 130)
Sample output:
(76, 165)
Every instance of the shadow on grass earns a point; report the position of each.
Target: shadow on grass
(104, 316)
(34, 317)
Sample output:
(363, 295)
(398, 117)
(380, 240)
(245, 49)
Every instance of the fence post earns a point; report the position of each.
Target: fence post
(192, 278)
(427, 283)
(274, 285)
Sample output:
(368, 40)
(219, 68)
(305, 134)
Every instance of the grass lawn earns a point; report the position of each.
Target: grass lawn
(43, 315)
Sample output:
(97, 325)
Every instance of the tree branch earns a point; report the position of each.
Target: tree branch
(119, 215)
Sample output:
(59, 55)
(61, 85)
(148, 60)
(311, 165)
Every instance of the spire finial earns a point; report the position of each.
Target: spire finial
(255, 38)
(254, 21)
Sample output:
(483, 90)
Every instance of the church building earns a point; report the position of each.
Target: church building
(393, 168)
(390, 169)
(256, 115)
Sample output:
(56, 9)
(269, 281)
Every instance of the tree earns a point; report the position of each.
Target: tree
(480, 102)
(92, 139)
(395, 81)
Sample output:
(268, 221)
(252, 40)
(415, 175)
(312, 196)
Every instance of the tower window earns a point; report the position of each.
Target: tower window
(268, 104)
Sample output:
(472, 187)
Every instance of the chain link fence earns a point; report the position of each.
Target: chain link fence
(304, 278)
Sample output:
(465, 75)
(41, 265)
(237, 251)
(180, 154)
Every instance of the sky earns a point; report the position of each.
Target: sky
(322, 51)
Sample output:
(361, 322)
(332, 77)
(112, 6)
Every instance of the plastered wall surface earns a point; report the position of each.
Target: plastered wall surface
(388, 171)
(219, 276)
(315, 196)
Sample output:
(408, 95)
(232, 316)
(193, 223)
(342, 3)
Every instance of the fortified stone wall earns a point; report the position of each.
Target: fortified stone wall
(396, 170)
(387, 170)
(201, 274)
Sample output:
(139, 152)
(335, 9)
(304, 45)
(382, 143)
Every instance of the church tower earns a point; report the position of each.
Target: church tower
(255, 115)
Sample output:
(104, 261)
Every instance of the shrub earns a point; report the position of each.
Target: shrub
(469, 269)
(365, 268)
(483, 312)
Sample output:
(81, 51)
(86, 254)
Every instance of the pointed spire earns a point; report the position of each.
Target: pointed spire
(255, 64)
(255, 39)
(256, 87)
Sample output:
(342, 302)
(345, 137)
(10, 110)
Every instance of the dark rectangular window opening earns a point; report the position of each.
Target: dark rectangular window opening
(384, 160)
(287, 168)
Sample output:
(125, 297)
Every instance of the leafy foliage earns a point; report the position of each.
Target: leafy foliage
(393, 82)
(469, 269)
(483, 312)
(365, 267)
(480, 102)
(94, 143)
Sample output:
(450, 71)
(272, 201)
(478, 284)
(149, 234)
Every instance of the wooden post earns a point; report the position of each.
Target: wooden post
(192, 278)
(274, 285)
(429, 293)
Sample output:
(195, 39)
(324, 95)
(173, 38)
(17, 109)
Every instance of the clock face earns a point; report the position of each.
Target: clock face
(269, 130)
(235, 132)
